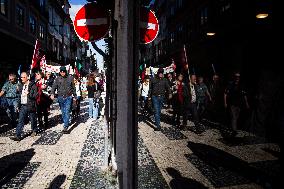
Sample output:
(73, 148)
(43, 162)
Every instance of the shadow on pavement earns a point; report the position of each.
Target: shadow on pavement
(83, 118)
(217, 159)
(57, 182)
(180, 182)
(13, 164)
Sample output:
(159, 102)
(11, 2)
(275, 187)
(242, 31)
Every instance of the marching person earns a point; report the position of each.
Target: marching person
(29, 92)
(10, 95)
(65, 89)
(180, 101)
(43, 101)
(144, 94)
(234, 97)
(193, 100)
(158, 88)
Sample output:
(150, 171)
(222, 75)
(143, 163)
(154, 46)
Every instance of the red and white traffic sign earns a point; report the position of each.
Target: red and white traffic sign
(91, 22)
(149, 26)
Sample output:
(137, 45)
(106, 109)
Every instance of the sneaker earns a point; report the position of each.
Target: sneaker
(33, 134)
(65, 131)
(15, 138)
(157, 129)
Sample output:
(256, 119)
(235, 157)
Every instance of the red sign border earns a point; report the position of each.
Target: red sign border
(108, 18)
(157, 30)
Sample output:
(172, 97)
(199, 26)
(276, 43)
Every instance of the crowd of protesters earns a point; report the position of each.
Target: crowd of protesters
(192, 99)
(31, 96)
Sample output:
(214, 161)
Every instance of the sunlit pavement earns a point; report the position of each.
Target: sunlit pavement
(53, 159)
(203, 157)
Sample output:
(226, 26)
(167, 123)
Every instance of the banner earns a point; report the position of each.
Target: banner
(56, 69)
(169, 69)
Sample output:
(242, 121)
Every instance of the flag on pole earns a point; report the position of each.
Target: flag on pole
(174, 64)
(36, 55)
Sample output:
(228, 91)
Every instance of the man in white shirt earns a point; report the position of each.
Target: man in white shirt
(28, 91)
(193, 100)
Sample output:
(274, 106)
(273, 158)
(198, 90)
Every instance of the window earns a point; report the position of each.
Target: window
(204, 16)
(20, 16)
(3, 7)
(32, 25)
(41, 31)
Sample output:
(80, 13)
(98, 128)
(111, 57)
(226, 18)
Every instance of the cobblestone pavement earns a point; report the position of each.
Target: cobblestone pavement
(203, 157)
(53, 159)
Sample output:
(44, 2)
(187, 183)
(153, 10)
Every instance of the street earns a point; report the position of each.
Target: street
(203, 157)
(53, 159)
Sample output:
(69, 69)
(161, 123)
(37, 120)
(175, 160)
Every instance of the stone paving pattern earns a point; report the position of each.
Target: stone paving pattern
(53, 159)
(204, 157)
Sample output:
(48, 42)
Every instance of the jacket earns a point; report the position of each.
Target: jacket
(65, 86)
(32, 96)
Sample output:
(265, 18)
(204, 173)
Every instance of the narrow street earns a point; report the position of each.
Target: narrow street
(203, 157)
(55, 160)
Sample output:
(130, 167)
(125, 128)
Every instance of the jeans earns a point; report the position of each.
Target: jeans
(235, 113)
(194, 113)
(93, 108)
(13, 104)
(158, 104)
(22, 116)
(65, 106)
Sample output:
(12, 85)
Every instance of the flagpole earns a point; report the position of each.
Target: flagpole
(214, 71)
(184, 50)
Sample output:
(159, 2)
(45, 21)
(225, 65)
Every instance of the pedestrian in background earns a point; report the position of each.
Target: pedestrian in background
(234, 97)
(93, 97)
(76, 109)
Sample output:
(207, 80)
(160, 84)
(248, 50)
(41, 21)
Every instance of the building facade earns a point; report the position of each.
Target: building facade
(24, 21)
(218, 32)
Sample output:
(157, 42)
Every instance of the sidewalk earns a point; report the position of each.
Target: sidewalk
(56, 160)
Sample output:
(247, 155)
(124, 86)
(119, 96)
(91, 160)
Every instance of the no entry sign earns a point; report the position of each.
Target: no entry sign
(91, 22)
(149, 26)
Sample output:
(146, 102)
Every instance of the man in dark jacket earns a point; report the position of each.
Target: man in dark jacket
(28, 91)
(157, 90)
(65, 89)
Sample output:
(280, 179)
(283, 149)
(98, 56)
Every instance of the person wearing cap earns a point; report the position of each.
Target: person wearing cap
(66, 91)
(159, 87)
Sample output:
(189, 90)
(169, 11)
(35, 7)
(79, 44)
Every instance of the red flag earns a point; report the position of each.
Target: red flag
(36, 55)
(174, 64)
(77, 72)
(184, 58)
